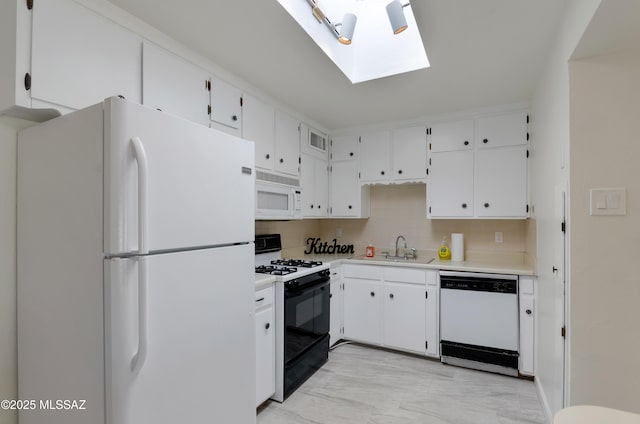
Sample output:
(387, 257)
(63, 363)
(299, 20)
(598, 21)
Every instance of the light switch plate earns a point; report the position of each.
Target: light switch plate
(608, 201)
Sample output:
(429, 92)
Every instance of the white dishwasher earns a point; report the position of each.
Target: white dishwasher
(479, 321)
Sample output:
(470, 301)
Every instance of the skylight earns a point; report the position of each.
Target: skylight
(375, 51)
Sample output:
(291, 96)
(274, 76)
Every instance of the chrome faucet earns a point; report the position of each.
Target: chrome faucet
(397, 240)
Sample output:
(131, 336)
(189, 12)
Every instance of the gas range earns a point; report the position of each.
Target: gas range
(302, 308)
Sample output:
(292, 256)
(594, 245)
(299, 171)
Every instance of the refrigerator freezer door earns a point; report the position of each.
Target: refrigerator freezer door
(200, 362)
(200, 182)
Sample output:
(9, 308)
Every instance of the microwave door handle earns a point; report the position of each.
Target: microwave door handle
(292, 202)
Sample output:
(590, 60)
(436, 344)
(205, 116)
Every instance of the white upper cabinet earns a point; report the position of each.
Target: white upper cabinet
(487, 180)
(451, 136)
(314, 181)
(349, 199)
(450, 185)
(287, 143)
(344, 147)
(173, 85)
(374, 157)
(226, 106)
(78, 58)
(501, 182)
(508, 129)
(409, 154)
(258, 125)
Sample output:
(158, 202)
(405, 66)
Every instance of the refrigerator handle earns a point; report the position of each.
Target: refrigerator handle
(141, 158)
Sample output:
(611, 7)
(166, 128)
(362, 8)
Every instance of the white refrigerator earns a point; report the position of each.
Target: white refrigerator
(135, 270)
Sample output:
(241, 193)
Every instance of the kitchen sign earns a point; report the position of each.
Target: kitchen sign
(314, 245)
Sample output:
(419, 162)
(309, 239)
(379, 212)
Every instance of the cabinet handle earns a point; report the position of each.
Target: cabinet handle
(234, 118)
(528, 311)
(486, 205)
(390, 295)
(311, 206)
(554, 269)
(485, 141)
(399, 171)
(466, 143)
(350, 153)
(381, 172)
(266, 326)
(372, 294)
(267, 156)
(281, 160)
(350, 206)
(319, 207)
(464, 206)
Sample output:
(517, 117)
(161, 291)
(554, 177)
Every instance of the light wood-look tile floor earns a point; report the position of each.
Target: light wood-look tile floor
(361, 385)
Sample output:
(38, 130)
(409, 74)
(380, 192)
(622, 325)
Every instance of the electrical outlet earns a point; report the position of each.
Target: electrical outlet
(338, 232)
(499, 237)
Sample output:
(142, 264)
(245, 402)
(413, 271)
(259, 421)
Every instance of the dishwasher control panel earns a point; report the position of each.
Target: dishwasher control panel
(476, 283)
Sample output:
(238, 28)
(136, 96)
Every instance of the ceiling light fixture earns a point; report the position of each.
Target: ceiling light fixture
(348, 24)
(396, 16)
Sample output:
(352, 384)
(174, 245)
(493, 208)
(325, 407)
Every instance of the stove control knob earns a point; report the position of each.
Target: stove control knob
(294, 284)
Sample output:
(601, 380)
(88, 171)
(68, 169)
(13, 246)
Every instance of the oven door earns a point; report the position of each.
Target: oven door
(306, 332)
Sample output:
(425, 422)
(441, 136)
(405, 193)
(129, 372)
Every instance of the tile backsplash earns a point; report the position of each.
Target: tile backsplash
(401, 210)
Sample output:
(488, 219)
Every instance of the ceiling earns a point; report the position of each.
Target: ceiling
(482, 53)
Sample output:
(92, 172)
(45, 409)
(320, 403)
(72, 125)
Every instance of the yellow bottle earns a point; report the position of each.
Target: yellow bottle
(444, 253)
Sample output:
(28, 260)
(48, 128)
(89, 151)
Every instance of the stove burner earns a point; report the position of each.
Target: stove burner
(275, 270)
(297, 262)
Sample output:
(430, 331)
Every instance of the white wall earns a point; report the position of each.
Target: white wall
(8, 349)
(605, 147)
(550, 134)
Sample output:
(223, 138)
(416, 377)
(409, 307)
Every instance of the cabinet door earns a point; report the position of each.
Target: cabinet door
(173, 85)
(501, 182)
(432, 321)
(308, 185)
(410, 154)
(363, 310)
(508, 129)
(265, 355)
(287, 144)
(450, 184)
(322, 186)
(335, 312)
(451, 136)
(79, 57)
(374, 157)
(527, 325)
(314, 181)
(404, 316)
(226, 104)
(345, 189)
(258, 126)
(344, 147)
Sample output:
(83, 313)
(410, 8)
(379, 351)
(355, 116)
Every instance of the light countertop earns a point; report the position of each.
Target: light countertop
(264, 280)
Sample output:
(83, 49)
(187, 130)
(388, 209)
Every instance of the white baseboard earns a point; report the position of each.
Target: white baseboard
(543, 399)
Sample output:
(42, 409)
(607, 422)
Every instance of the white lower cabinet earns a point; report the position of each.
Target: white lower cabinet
(392, 307)
(265, 345)
(404, 316)
(363, 310)
(335, 311)
(527, 325)
(432, 315)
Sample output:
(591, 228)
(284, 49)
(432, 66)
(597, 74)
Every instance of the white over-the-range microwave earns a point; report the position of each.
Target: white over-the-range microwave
(278, 201)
